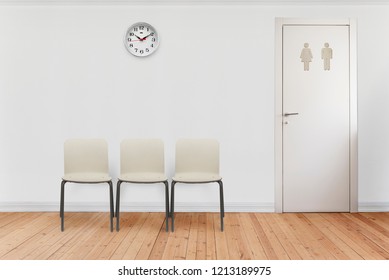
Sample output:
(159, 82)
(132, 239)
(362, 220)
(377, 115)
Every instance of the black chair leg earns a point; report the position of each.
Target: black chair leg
(172, 204)
(167, 204)
(221, 205)
(62, 205)
(110, 205)
(118, 205)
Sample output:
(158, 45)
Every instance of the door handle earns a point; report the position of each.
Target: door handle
(290, 114)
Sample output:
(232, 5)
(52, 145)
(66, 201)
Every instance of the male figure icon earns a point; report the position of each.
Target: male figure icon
(326, 55)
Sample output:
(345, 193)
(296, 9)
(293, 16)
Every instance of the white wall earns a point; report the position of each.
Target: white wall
(64, 72)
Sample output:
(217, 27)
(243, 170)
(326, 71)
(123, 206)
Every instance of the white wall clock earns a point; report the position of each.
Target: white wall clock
(141, 39)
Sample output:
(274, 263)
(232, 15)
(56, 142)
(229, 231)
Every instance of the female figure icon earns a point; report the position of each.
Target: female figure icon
(306, 56)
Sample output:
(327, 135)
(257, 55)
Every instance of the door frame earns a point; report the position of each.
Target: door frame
(278, 124)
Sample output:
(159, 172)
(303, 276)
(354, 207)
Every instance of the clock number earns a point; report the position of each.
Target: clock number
(141, 51)
(152, 45)
(147, 50)
(153, 39)
(136, 50)
(131, 45)
(129, 39)
(141, 27)
(135, 29)
(152, 34)
(132, 34)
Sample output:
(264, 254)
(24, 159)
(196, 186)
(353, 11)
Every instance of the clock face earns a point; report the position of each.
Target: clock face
(141, 39)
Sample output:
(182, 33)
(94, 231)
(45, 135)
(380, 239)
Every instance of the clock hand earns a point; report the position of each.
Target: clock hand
(140, 39)
(144, 38)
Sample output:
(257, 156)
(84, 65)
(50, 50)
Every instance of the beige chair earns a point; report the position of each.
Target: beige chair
(86, 162)
(142, 162)
(197, 162)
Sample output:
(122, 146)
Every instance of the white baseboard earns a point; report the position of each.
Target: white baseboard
(135, 207)
(265, 207)
(373, 207)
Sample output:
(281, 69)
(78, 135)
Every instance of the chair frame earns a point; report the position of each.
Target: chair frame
(185, 182)
(165, 182)
(75, 151)
(197, 162)
(139, 157)
(62, 199)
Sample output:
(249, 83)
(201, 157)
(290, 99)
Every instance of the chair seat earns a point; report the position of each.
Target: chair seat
(196, 177)
(143, 177)
(87, 177)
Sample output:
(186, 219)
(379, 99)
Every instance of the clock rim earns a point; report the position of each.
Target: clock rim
(136, 24)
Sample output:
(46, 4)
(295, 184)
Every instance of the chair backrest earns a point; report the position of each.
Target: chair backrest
(86, 155)
(197, 155)
(142, 155)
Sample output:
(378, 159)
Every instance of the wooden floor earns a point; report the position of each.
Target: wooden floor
(197, 236)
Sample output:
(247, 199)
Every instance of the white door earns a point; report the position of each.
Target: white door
(316, 102)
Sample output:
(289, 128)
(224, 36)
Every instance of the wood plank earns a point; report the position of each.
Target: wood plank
(211, 228)
(201, 249)
(233, 247)
(9, 218)
(193, 240)
(221, 246)
(346, 238)
(131, 231)
(139, 238)
(237, 247)
(94, 244)
(272, 245)
(283, 238)
(198, 236)
(159, 245)
(340, 240)
(70, 249)
(322, 239)
(156, 225)
(55, 239)
(18, 223)
(172, 242)
(4, 215)
(287, 229)
(379, 221)
(304, 231)
(97, 240)
(371, 251)
(182, 236)
(105, 250)
(243, 244)
(30, 244)
(23, 232)
(267, 247)
(247, 232)
(379, 238)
